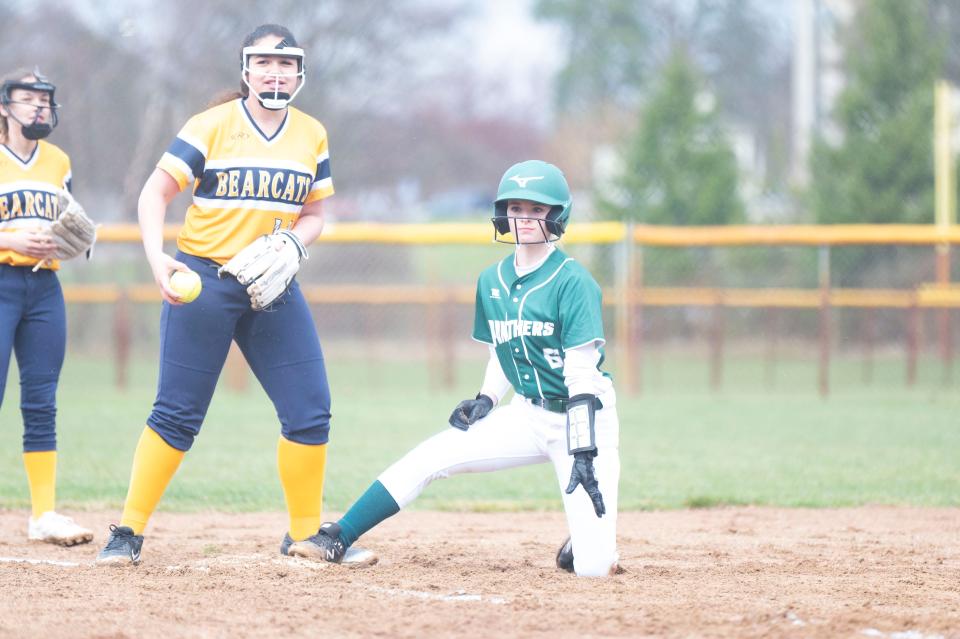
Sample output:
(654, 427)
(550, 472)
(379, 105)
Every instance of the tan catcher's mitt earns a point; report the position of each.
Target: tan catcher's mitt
(267, 266)
(73, 232)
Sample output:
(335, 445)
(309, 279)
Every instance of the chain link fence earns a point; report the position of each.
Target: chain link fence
(737, 312)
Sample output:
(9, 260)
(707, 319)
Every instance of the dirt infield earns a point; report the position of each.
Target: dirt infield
(743, 572)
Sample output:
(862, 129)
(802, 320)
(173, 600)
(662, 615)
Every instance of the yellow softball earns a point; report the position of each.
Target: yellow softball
(186, 284)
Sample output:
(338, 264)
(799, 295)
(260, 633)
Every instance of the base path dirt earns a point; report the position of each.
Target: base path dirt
(729, 572)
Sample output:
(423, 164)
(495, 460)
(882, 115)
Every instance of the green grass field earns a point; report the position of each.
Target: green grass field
(681, 444)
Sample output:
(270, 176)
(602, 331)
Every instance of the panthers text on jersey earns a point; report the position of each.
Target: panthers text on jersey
(533, 319)
(246, 184)
(28, 194)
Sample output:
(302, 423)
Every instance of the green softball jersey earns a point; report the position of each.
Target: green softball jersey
(533, 319)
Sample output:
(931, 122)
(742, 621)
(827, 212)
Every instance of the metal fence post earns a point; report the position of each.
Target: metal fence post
(913, 339)
(624, 316)
(716, 343)
(869, 337)
(121, 339)
(823, 267)
(636, 293)
(770, 361)
(944, 329)
(448, 352)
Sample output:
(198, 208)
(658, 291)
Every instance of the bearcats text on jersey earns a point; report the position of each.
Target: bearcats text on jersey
(246, 183)
(26, 203)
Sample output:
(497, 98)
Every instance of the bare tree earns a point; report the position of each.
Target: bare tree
(391, 81)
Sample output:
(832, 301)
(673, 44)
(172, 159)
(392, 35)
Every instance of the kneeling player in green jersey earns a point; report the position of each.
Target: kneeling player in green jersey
(539, 312)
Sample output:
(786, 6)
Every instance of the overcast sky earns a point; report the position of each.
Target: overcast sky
(513, 49)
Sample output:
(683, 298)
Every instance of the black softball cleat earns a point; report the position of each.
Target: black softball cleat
(123, 547)
(565, 556)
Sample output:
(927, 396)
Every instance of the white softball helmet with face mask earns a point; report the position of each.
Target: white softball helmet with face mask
(276, 99)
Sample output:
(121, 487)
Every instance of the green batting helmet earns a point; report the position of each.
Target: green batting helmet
(536, 181)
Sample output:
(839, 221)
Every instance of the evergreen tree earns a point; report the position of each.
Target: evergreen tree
(679, 167)
(881, 171)
(607, 42)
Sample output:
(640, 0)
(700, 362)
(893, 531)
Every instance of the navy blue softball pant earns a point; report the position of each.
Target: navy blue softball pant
(33, 325)
(280, 344)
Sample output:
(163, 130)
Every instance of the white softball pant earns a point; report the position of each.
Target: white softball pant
(520, 434)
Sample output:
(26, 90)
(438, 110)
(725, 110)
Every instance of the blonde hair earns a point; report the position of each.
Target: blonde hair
(14, 76)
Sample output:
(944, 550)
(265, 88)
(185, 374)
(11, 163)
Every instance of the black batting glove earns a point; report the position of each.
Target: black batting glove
(582, 473)
(470, 410)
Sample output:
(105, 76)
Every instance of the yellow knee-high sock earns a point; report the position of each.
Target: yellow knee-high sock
(154, 463)
(42, 476)
(302, 468)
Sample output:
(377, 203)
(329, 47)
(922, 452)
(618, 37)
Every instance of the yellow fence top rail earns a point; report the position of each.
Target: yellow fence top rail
(812, 234)
(421, 233)
(612, 232)
(779, 297)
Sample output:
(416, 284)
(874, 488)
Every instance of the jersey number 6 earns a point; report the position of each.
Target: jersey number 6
(552, 355)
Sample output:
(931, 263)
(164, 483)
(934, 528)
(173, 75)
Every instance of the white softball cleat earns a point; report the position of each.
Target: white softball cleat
(54, 528)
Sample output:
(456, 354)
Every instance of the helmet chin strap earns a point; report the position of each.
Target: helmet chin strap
(274, 100)
(36, 130)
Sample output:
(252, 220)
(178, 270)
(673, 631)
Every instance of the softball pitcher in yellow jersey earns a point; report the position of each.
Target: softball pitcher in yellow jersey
(259, 170)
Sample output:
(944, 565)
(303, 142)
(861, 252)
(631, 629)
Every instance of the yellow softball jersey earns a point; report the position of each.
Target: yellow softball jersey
(246, 184)
(28, 194)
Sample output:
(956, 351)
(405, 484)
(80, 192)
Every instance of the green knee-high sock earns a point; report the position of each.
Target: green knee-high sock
(374, 506)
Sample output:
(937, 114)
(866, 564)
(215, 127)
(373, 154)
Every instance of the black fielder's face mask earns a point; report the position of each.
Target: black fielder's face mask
(510, 214)
(506, 233)
(35, 129)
